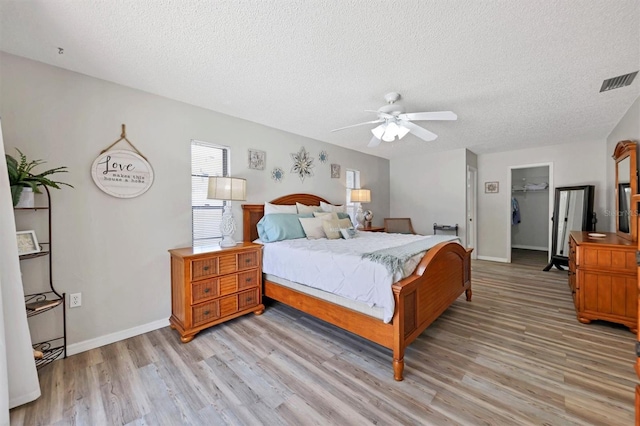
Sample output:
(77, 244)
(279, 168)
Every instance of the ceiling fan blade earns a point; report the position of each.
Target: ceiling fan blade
(373, 142)
(359, 124)
(435, 115)
(420, 132)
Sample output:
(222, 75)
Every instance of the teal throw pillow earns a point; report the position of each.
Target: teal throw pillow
(281, 226)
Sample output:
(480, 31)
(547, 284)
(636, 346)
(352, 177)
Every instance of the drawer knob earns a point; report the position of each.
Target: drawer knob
(206, 312)
(207, 290)
(206, 268)
(248, 280)
(249, 299)
(247, 260)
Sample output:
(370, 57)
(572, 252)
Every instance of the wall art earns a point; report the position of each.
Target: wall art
(323, 157)
(277, 174)
(302, 164)
(335, 171)
(257, 159)
(491, 187)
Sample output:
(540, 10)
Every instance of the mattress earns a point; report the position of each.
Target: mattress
(336, 266)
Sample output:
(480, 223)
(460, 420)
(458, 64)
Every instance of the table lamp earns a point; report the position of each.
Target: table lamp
(360, 196)
(227, 189)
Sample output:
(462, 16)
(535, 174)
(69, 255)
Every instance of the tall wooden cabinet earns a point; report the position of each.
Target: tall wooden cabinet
(603, 278)
(213, 285)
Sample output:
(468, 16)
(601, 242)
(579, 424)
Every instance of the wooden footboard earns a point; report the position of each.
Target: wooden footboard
(439, 279)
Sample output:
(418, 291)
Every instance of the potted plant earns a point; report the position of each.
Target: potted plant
(21, 176)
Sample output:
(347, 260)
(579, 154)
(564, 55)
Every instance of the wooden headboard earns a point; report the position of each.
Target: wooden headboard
(252, 213)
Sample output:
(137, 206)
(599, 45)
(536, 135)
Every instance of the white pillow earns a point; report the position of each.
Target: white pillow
(313, 227)
(277, 208)
(348, 233)
(307, 209)
(331, 208)
(326, 215)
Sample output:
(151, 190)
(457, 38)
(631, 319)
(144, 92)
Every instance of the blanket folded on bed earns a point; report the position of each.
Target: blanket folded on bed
(393, 258)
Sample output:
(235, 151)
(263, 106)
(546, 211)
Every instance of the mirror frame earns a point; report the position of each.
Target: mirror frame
(587, 222)
(627, 149)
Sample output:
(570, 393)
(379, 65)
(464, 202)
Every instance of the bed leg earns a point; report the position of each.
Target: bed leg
(398, 369)
(468, 293)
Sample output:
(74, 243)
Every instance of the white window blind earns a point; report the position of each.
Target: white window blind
(353, 182)
(206, 160)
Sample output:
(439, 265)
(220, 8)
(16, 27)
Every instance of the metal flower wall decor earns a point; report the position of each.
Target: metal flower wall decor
(323, 157)
(302, 164)
(277, 174)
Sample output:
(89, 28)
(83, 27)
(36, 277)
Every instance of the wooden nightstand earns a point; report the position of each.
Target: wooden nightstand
(373, 229)
(210, 285)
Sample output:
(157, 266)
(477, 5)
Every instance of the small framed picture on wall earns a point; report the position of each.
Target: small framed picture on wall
(257, 159)
(491, 187)
(335, 171)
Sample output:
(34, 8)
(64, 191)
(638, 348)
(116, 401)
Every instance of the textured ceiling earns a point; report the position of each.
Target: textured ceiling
(517, 73)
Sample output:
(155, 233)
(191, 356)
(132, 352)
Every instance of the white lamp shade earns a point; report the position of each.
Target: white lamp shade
(379, 131)
(227, 188)
(402, 132)
(361, 195)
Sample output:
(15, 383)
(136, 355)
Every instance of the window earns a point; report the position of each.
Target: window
(206, 215)
(353, 182)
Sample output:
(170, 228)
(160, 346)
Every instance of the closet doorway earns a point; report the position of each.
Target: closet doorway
(531, 209)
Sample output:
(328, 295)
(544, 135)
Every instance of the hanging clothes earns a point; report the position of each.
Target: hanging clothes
(515, 211)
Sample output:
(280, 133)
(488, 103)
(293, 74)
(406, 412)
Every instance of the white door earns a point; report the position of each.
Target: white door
(471, 234)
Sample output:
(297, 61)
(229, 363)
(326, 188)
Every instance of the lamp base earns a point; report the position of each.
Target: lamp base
(227, 227)
(359, 218)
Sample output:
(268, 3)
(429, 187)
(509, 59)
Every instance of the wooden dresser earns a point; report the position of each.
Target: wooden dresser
(212, 285)
(603, 278)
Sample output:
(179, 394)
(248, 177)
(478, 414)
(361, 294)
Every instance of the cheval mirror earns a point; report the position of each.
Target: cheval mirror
(626, 187)
(572, 211)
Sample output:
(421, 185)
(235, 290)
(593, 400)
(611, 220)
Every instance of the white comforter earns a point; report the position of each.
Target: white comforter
(336, 266)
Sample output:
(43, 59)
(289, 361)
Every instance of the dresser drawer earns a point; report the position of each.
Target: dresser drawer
(203, 268)
(205, 312)
(247, 299)
(608, 259)
(204, 290)
(248, 260)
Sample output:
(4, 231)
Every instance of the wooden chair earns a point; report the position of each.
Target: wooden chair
(398, 225)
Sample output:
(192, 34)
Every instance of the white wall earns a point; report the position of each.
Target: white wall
(573, 164)
(430, 188)
(534, 209)
(114, 250)
(627, 129)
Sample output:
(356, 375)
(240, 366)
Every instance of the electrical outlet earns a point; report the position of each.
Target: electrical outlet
(75, 300)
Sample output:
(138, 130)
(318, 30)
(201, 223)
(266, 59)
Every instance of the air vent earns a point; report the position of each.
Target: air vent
(618, 82)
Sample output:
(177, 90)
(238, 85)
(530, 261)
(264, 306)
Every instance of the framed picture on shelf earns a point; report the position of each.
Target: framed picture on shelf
(27, 242)
(491, 187)
(257, 159)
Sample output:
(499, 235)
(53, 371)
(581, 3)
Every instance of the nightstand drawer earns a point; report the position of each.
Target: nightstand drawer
(203, 290)
(204, 268)
(205, 312)
(247, 299)
(247, 260)
(247, 279)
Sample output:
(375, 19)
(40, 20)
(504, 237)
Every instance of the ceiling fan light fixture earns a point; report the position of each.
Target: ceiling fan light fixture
(391, 132)
(379, 131)
(402, 131)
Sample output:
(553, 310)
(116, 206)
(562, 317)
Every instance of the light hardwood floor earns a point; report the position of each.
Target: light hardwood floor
(515, 355)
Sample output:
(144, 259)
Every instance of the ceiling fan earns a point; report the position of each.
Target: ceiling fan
(395, 122)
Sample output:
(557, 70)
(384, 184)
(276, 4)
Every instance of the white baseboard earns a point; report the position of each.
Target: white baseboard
(86, 345)
(493, 259)
(530, 247)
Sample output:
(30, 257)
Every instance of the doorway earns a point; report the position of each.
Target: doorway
(472, 210)
(530, 208)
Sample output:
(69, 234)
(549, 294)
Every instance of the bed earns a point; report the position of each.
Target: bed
(443, 274)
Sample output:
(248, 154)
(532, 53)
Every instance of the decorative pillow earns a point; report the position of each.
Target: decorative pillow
(331, 208)
(332, 227)
(313, 227)
(348, 233)
(307, 209)
(342, 215)
(277, 208)
(280, 226)
(326, 215)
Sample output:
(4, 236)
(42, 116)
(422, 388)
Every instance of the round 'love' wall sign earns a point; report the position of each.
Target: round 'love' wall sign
(122, 174)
